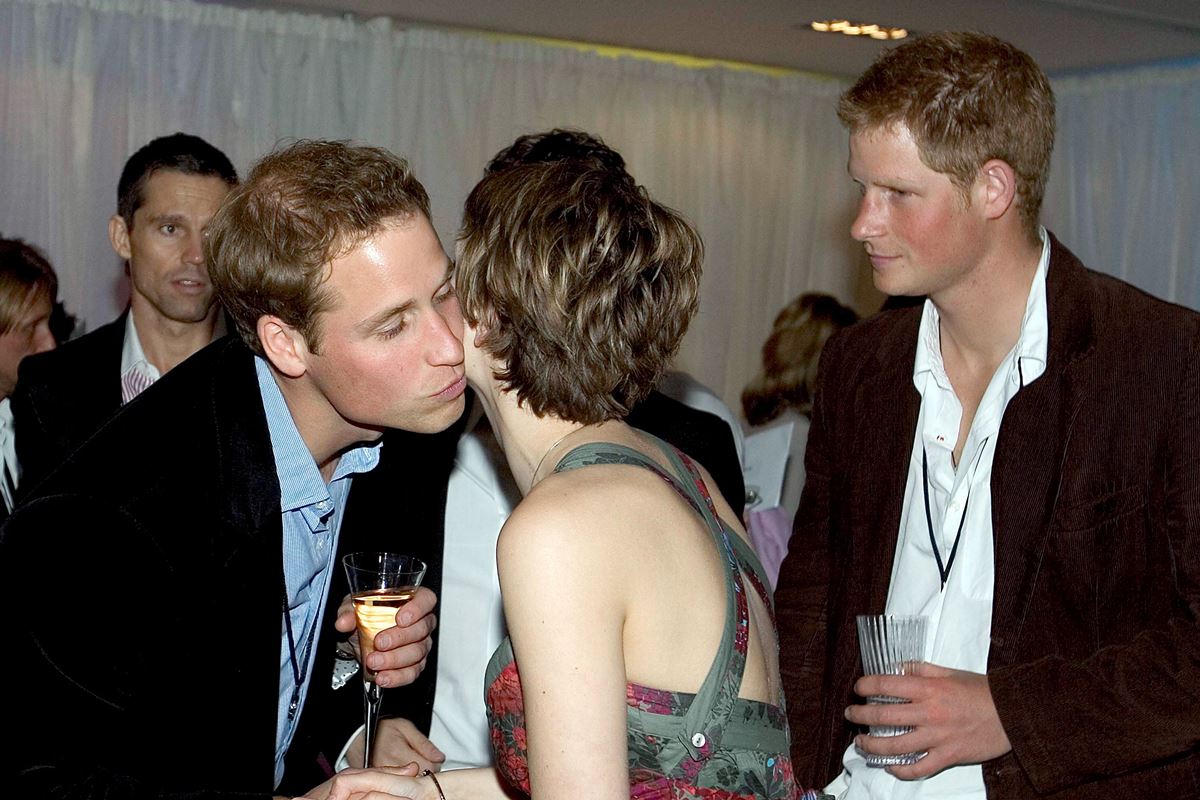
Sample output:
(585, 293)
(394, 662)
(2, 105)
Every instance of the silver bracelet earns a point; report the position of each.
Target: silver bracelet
(428, 773)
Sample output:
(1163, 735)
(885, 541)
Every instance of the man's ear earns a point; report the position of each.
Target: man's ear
(283, 345)
(118, 236)
(996, 188)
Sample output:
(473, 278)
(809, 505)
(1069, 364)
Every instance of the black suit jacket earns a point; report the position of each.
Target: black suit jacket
(703, 436)
(63, 396)
(1094, 664)
(140, 583)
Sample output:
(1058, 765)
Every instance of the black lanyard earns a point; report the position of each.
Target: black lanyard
(943, 570)
(299, 669)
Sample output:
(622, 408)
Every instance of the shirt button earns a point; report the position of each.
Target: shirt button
(698, 739)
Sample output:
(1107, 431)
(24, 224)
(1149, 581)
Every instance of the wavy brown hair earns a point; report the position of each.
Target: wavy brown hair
(790, 356)
(582, 285)
(966, 98)
(270, 245)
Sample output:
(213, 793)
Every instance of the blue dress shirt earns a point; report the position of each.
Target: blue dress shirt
(312, 516)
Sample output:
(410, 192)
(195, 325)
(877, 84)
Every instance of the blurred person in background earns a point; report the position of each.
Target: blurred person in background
(28, 294)
(783, 388)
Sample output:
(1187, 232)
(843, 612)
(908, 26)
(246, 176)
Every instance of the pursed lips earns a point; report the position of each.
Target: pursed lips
(454, 389)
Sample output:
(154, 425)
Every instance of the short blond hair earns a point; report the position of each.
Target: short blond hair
(583, 285)
(966, 98)
(270, 245)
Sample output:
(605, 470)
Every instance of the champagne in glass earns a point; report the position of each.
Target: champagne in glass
(380, 583)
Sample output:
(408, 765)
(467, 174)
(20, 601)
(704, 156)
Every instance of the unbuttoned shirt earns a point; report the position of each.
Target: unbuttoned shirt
(312, 516)
(137, 373)
(960, 613)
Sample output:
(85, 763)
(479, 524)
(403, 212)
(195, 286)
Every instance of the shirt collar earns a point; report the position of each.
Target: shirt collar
(300, 482)
(1031, 344)
(1029, 354)
(132, 354)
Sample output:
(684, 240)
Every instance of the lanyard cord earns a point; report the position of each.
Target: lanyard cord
(943, 571)
(299, 670)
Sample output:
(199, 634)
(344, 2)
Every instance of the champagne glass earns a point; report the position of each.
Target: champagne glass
(380, 583)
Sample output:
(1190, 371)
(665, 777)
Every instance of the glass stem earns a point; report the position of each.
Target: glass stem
(372, 694)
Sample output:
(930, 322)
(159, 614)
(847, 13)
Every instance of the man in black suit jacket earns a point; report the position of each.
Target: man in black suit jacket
(167, 193)
(170, 522)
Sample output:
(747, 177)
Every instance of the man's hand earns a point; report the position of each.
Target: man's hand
(397, 743)
(951, 712)
(400, 652)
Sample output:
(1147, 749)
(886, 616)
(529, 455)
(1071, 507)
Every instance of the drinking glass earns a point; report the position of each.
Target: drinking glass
(890, 645)
(380, 583)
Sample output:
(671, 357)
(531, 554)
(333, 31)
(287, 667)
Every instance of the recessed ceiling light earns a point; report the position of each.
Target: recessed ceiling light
(848, 28)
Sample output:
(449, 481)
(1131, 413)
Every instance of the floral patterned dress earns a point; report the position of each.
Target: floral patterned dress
(711, 744)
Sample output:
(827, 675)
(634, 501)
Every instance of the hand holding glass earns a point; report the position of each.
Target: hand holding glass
(890, 645)
(380, 583)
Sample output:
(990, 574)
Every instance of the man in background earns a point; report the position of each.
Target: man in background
(28, 291)
(1014, 459)
(167, 193)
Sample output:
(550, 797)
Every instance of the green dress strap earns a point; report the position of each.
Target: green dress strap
(707, 716)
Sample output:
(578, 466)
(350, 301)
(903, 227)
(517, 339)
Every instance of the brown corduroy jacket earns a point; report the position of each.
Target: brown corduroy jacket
(1095, 652)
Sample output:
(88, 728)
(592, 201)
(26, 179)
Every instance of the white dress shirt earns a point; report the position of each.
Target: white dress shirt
(960, 613)
(480, 496)
(471, 625)
(137, 373)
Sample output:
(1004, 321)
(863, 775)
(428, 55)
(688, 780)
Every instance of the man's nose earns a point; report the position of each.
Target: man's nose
(193, 253)
(867, 223)
(448, 347)
(43, 339)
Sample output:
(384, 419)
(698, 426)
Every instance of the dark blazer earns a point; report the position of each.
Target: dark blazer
(1095, 653)
(703, 436)
(63, 396)
(140, 583)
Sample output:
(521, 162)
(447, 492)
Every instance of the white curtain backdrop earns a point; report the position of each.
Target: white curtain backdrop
(1124, 188)
(756, 161)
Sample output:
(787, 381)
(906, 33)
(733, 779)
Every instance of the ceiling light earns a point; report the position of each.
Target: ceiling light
(849, 28)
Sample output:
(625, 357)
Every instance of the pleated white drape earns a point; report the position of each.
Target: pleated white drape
(756, 161)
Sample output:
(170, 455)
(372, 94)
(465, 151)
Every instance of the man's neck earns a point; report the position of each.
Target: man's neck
(981, 318)
(326, 433)
(166, 342)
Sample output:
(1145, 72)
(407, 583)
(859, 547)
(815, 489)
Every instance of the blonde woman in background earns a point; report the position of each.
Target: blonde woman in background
(783, 388)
